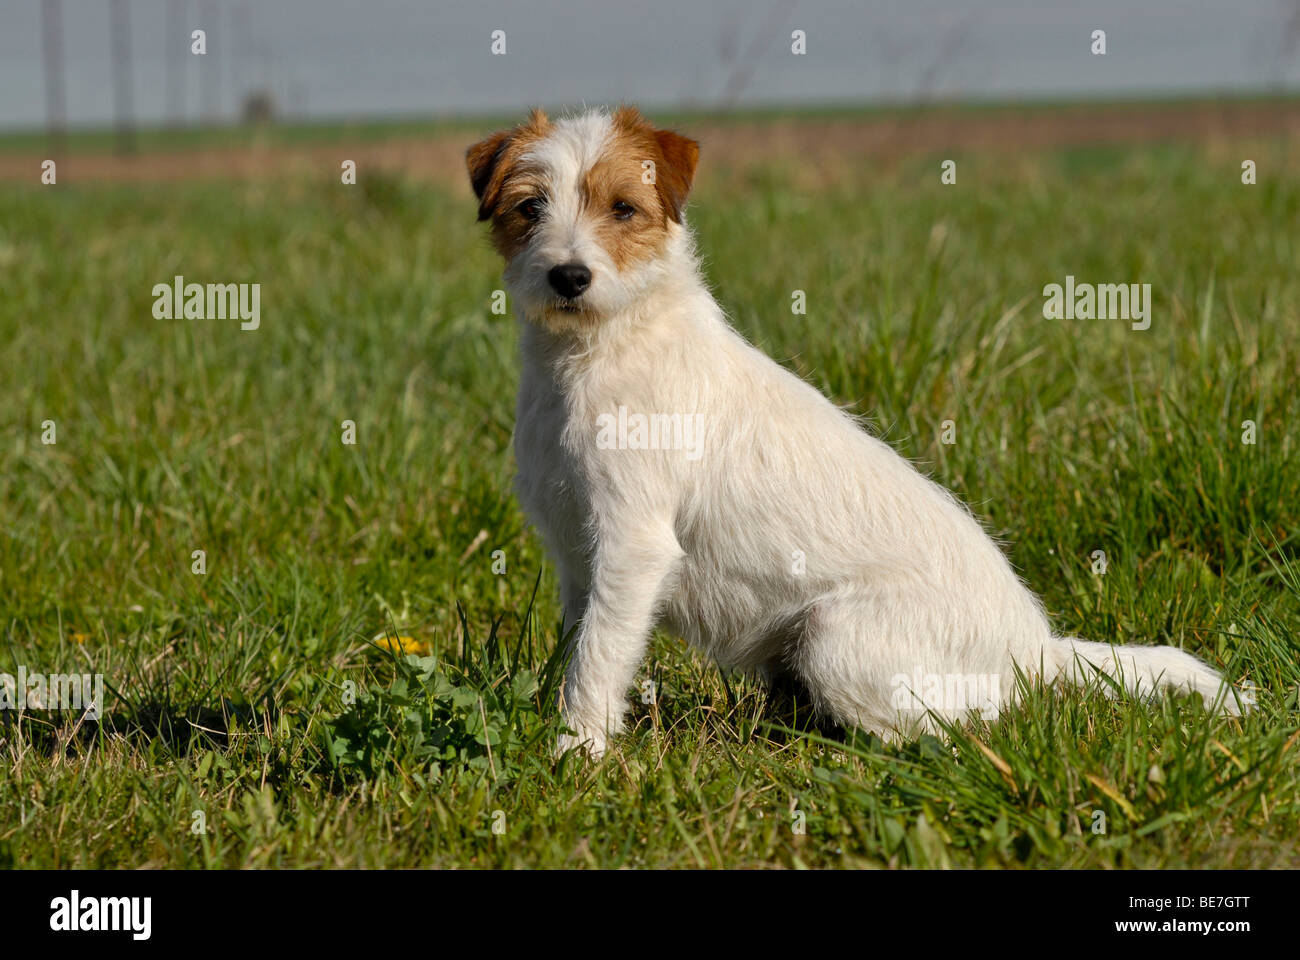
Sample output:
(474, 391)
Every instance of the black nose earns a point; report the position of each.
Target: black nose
(569, 279)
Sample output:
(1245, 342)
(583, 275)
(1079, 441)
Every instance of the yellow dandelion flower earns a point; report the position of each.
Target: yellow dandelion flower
(403, 645)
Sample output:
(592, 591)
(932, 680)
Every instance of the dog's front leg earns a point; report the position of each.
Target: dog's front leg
(631, 572)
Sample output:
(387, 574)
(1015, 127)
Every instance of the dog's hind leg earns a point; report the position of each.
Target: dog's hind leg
(891, 661)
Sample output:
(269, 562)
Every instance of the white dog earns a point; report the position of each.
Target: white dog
(679, 476)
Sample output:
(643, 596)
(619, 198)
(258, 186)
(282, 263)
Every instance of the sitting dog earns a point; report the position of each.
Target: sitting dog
(680, 476)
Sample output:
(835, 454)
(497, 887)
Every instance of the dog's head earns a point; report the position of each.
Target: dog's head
(583, 209)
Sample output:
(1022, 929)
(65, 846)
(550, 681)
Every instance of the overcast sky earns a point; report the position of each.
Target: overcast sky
(332, 58)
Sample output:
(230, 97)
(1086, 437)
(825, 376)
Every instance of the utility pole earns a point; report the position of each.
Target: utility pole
(120, 28)
(55, 106)
(241, 31)
(176, 42)
(210, 65)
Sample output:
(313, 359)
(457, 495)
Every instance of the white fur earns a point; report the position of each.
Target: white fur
(898, 578)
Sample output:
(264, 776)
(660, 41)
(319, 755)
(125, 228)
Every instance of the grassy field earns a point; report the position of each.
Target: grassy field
(251, 719)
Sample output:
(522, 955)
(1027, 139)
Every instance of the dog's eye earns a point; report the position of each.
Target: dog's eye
(623, 211)
(531, 209)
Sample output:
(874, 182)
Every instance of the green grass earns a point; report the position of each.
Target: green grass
(253, 696)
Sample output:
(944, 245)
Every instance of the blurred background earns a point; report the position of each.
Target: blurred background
(127, 64)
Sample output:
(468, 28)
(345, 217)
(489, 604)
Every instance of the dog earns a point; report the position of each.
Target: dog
(784, 539)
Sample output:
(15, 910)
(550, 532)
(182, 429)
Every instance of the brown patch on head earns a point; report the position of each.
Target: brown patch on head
(636, 154)
(674, 157)
(492, 164)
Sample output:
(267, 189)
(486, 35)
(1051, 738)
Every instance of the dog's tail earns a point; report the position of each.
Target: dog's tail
(1142, 671)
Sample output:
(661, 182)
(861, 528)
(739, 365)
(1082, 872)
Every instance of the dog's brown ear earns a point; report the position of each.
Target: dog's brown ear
(484, 159)
(673, 178)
